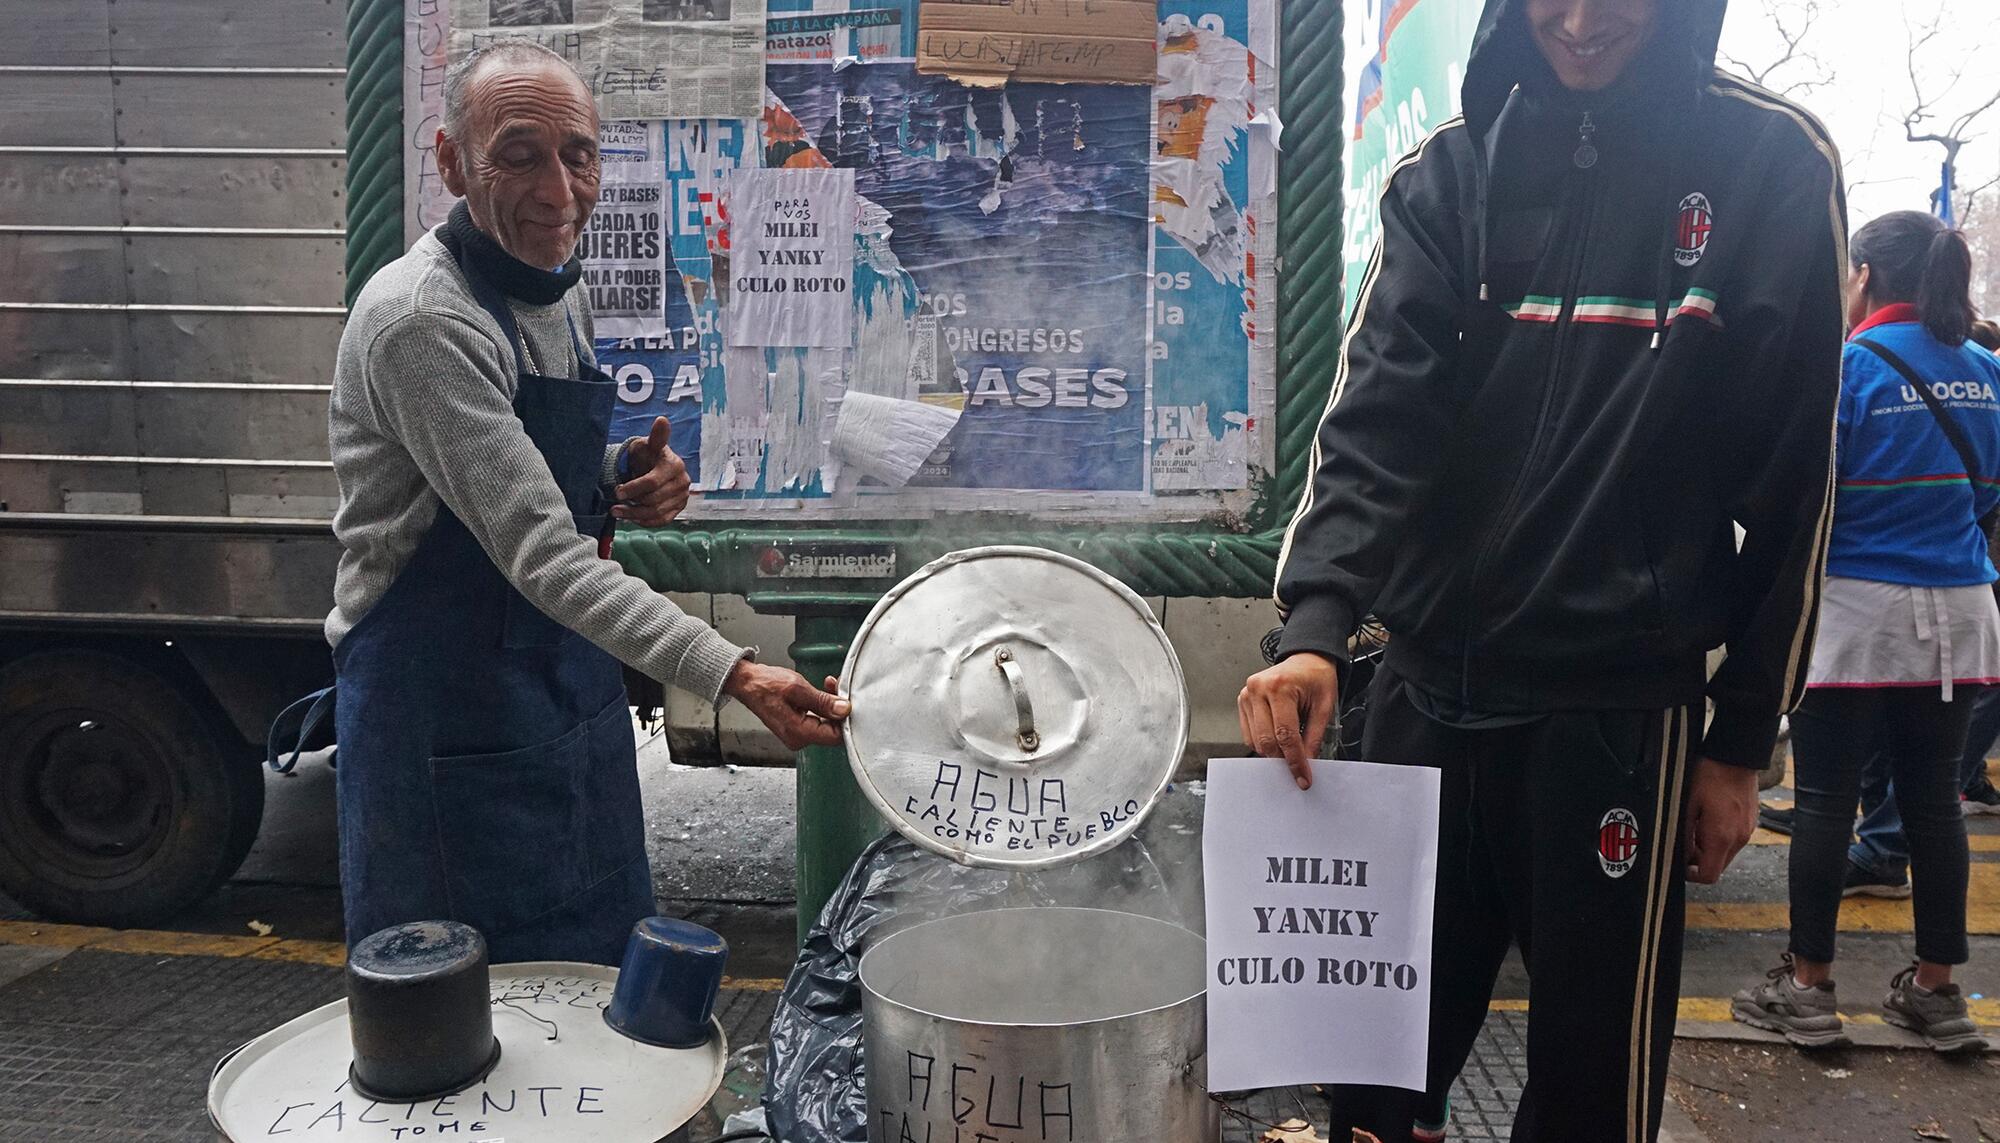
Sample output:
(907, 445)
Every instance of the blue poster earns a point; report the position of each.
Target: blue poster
(1020, 213)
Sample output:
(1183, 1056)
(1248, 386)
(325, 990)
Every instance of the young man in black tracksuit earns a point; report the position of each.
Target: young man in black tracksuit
(1602, 327)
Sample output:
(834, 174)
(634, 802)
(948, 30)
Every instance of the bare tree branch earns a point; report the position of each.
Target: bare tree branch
(1974, 199)
(1964, 122)
(1924, 122)
(1793, 20)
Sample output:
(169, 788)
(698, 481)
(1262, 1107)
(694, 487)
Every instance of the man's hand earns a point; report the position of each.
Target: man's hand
(1721, 814)
(782, 700)
(659, 489)
(1304, 689)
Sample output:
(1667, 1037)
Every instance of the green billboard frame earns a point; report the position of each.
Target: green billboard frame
(1236, 558)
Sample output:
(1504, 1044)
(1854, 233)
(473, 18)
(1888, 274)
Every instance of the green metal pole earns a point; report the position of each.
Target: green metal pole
(836, 822)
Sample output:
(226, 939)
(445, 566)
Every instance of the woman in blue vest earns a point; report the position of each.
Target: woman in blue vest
(1908, 628)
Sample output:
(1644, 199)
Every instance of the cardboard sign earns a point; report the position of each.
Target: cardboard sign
(1319, 923)
(989, 42)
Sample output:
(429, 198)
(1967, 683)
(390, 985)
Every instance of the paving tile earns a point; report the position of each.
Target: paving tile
(1483, 1099)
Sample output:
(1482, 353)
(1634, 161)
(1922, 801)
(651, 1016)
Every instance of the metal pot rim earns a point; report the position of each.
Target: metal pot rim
(893, 814)
(872, 995)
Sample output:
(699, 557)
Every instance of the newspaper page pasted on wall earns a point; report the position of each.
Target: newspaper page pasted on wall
(624, 248)
(426, 53)
(643, 59)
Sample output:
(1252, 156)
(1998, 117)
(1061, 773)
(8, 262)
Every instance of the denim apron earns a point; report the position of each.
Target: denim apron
(486, 770)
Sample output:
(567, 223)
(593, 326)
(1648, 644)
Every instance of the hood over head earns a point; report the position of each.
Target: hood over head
(1665, 81)
(1504, 55)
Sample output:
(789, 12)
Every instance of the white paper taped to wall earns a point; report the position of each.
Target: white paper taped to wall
(1267, 120)
(1265, 181)
(888, 439)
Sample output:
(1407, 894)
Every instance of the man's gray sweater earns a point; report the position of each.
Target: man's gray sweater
(422, 412)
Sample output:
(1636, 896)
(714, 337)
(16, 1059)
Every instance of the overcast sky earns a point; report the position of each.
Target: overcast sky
(1863, 44)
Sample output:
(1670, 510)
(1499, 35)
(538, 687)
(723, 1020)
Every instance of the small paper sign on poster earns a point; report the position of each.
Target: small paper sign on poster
(792, 258)
(1319, 923)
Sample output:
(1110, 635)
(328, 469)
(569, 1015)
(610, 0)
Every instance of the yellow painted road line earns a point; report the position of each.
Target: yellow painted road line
(1715, 1010)
(153, 942)
(147, 941)
(1857, 914)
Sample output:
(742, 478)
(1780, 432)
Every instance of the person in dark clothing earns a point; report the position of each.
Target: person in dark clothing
(1909, 633)
(1602, 325)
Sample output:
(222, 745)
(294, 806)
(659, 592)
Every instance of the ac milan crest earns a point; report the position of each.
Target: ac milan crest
(1617, 843)
(1691, 229)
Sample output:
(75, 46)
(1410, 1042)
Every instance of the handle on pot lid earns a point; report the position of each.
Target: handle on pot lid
(1013, 708)
(1024, 707)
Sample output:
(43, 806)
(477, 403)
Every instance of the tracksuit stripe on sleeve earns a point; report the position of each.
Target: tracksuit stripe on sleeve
(1341, 370)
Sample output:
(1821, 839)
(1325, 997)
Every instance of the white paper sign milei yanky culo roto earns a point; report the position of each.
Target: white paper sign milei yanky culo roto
(1319, 923)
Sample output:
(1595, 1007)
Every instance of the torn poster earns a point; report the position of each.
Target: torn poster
(1018, 217)
(643, 59)
(987, 43)
(658, 377)
(1214, 247)
(701, 155)
(624, 248)
(886, 439)
(792, 260)
(1203, 98)
(1190, 456)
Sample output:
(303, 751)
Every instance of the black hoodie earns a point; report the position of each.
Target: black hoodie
(1599, 329)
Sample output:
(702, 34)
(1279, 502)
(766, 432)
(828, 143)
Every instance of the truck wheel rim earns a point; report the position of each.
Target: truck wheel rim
(88, 794)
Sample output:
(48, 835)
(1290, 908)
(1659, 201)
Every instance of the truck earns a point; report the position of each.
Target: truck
(172, 199)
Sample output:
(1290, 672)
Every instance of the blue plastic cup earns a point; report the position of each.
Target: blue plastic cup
(668, 983)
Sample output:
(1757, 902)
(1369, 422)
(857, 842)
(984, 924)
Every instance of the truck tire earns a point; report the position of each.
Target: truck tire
(120, 803)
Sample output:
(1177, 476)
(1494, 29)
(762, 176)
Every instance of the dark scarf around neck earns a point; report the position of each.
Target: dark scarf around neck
(511, 276)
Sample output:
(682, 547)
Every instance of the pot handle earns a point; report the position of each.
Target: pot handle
(1024, 709)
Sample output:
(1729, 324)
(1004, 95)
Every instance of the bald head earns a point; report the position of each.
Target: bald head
(519, 143)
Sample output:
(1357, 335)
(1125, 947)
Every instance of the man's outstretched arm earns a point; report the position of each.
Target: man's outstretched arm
(1394, 402)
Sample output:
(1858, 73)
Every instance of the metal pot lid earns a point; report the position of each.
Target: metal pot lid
(564, 1076)
(1013, 708)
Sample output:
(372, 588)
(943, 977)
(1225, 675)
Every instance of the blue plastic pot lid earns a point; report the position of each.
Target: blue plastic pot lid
(1013, 708)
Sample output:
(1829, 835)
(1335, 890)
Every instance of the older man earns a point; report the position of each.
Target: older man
(486, 769)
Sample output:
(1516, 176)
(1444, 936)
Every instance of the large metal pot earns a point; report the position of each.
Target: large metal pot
(1018, 1025)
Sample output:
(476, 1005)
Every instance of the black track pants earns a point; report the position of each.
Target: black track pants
(1835, 733)
(1563, 836)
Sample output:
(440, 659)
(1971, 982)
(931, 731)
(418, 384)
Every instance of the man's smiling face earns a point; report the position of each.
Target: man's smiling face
(1590, 43)
(527, 165)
